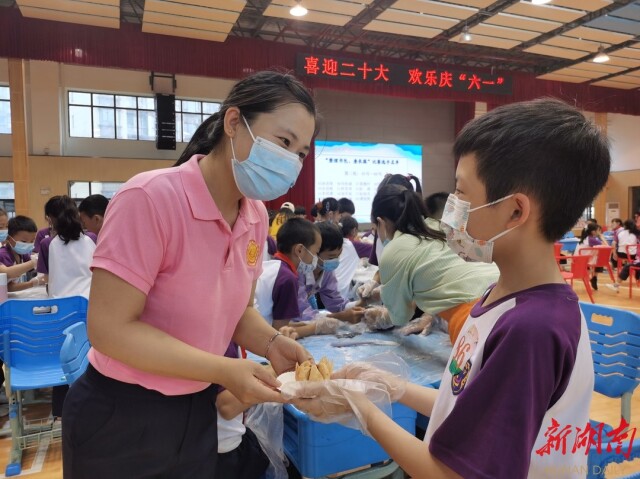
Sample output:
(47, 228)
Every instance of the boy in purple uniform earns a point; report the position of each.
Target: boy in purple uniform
(350, 232)
(15, 255)
(324, 282)
(522, 361)
(277, 288)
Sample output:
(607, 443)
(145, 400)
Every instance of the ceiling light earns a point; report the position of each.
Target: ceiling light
(466, 36)
(601, 56)
(298, 10)
(540, 2)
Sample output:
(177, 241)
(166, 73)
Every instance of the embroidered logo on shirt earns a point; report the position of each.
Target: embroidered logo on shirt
(460, 364)
(253, 252)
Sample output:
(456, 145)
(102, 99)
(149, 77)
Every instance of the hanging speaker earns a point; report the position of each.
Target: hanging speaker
(165, 122)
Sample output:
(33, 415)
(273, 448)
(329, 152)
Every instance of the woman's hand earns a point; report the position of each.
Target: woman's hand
(251, 383)
(285, 352)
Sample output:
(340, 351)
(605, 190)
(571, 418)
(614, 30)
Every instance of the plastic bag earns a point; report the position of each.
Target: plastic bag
(266, 420)
(326, 325)
(381, 379)
(377, 317)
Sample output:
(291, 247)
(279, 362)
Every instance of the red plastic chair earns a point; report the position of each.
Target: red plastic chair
(602, 255)
(632, 279)
(579, 270)
(557, 251)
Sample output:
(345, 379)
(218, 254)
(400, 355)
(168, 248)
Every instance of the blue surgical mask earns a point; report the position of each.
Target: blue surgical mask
(4, 234)
(330, 264)
(385, 242)
(268, 172)
(307, 268)
(21, 247)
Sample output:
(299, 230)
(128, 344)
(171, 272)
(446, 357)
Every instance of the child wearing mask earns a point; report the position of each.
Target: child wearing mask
(15, 256)
(276, 296)
(322, 286)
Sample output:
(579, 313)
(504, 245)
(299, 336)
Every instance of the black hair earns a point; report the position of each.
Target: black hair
(345, 205)
(94, 205)
(617, 220)
(296, 231)
(49, 206)
(299, 210)
(402, 180)
(331, 236)
(593, 220)
(314, 210)
(65, 218)
(543, 148)
(327, 205)
(261, 92)
(348, 225)
(586, 232)
(630, 226)
(405, 209)
(21, 223)
(435, 204)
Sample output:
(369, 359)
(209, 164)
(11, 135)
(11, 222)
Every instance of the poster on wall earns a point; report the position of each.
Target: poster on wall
(354, 170)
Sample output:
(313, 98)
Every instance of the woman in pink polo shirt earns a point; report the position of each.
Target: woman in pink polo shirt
(174, 275)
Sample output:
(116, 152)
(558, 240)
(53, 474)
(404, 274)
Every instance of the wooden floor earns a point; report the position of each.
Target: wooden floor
(602, 408)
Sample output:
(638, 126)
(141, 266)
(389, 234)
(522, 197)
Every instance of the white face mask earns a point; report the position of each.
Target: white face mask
(454, 224)
(307, 268)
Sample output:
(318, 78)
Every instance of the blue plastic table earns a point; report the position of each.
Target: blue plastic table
(569, 244)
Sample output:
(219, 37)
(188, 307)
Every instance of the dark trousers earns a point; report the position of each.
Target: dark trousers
(118, 430)
(614, 262)
(624, 272)
(247, 461)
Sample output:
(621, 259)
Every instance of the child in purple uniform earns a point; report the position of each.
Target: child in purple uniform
(522, 362)
(277, 288)
(324, 285)
(15, 255)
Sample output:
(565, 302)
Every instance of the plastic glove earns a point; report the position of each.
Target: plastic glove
(326, 325)
(387, 369)
(344, 401)
(377, 317)
(422, 325)
(365, 290)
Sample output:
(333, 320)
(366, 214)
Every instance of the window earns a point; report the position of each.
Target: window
(105, 115)
(7, 198)
(190, 114)
(5, 110)
(127, 117)
(79, 190)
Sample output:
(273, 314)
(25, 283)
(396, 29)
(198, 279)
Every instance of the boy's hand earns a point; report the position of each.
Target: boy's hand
(394, 385)
(352, 315)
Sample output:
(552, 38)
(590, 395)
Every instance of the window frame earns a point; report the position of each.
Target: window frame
(3, 85)
(115, 108)
(178, 111)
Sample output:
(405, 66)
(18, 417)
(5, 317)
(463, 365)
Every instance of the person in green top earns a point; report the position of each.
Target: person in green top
(417, 268)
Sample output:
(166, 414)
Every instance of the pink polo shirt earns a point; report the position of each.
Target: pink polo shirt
(164, 235)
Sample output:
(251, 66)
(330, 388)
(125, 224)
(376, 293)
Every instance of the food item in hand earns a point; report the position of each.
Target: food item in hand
(314, 372)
